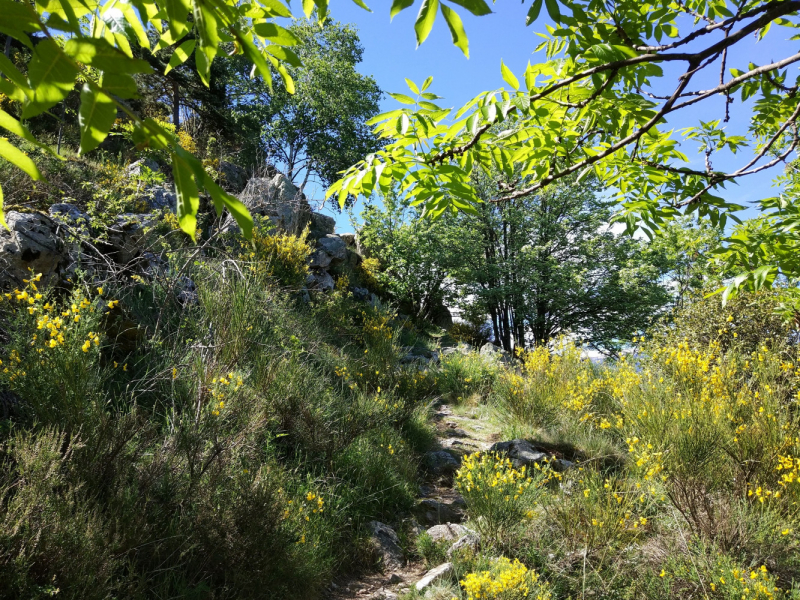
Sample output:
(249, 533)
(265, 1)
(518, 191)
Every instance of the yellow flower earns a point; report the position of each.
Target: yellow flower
(100, 291)
(663, 573)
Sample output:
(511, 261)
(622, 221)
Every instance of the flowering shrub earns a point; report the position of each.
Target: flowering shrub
(52, 340)
(505, 580)
(498, 495)
(279, 255)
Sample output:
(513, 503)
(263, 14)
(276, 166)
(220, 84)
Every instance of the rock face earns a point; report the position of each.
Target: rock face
(31, 243)
(277, 199)
(232, 177)
(521, 452)
(321, 225)
(440, 572)
(135, 168)
(320, 281)
(387, 545)
(493, 352)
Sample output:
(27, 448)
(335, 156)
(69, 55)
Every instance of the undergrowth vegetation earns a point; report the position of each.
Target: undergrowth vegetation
(686, 476)
(228, 448)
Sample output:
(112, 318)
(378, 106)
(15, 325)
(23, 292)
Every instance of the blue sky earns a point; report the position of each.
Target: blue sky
(391, 55)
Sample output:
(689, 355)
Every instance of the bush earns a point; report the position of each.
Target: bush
(500, 497)
(282, 256)
(505, 580)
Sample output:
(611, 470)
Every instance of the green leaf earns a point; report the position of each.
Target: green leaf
(397, 6)
(425, 19)
(402, 98)
(102, 55)
(276, 34)
(284, 54)
(52, 76)
(308, 7)
(13, 74)
(178, 13)
(119, 84)
(235, 207)
(18, 18)
(508, 76)
(95, 118)
(188, 197)
(362, 5)
(456, 29)
(19, 159)
(479, 8)
(276, 9)
(533, 12)
(181, 55)
(412, 86)
(552, 10)
(426, 84)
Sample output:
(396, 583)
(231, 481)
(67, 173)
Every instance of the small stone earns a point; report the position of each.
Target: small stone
(395, 578)
(434, 575)
(447, 532)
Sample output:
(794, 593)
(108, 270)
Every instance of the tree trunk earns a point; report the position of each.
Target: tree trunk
(61, 126)
(176, 105)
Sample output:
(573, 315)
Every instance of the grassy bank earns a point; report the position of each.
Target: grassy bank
(685, 482)
(229, 447)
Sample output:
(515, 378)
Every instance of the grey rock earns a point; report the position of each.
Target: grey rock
(320, 281)
(562, 464)
(384, 595)
(394, 578)
(361, 294)
(434, 512)
(68, 214)
(435, 574)
(492, 352)
(460, 349)
(186, 291)
(469, 540)
(334, 247)
(232, 177)
(30, 244)
(159, 198)
(125, 236)
(447, 532)
(349, 240)
(135, 168)
(321, 224)
(387, 545)
(440, 462)
(277, 199)
(521, 452)
(320, 259)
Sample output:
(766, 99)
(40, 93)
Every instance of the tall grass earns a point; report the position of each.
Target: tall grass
(237, 451)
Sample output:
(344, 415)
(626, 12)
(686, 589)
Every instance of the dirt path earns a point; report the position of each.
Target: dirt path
(460, 431)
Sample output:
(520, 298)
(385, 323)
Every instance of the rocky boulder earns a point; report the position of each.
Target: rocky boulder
(320, 281)
(492, 352)
(448, 532)
(135, 168)
(277, 199)
(387, 545)
(30, 244)
(440, 462)
(434, 575)
(321, 225)
(232, 177)
(521, 452)
(124, 241)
